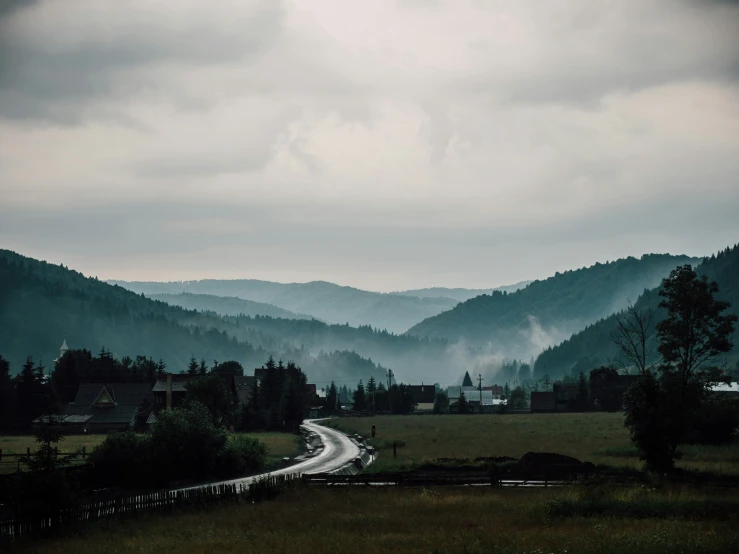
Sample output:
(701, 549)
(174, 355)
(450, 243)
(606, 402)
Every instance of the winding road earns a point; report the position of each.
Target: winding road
(338, 449)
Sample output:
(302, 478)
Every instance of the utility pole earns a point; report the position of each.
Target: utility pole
(479, 387)
(389, 386)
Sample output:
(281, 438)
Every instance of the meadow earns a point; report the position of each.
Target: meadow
(279, 446)
(600, 438)
(440, 520)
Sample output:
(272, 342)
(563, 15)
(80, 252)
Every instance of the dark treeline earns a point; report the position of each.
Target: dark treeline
(278, 402)
(593, 346)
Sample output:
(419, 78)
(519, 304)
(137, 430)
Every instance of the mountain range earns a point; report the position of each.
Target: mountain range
(226, 305)
(567, 318)
(522, 323)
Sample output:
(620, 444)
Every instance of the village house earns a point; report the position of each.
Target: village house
(103, 407)
(175, 384)
(423, 397)
(543, 402)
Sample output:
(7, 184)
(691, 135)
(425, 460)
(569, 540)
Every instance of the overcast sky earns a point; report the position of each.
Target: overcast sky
(378, 144)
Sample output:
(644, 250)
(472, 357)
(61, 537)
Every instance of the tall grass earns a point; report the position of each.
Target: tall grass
(600, 438)
(444, 520)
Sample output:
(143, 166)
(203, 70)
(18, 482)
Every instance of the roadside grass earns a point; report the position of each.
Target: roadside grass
(600, 438)
(279, 446)
(436, 520)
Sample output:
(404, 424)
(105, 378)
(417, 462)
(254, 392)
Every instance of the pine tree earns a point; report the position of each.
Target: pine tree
(467, 381)
(462, 403)
(203, 368)
(332, 398)
(192, 367)
(360, 401)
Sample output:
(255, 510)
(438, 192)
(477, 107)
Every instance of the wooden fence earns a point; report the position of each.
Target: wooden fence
(17, 459)
(14, 525)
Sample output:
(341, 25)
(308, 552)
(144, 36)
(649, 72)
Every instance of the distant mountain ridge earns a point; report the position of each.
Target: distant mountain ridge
(226, 305)
(461, 294)
(525, 322)
(325, 301)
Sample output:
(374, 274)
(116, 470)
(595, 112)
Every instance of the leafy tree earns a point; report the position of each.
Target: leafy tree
(518, 400)
(694, 333)
(441, 403)
(210, 392)
(230, 367)
(186, 443)
(467, 380)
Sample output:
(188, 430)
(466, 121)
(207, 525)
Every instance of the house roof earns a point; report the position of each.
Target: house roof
(151, 419)
(422, 394)
(495, 389)
(453, 392)
(127, 400)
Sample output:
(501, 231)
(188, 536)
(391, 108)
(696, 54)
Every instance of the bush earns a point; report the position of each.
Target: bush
(124, 458)
(241, 456)
(186, 443)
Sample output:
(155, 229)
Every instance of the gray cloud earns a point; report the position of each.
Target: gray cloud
(387, 145)
(56, 77)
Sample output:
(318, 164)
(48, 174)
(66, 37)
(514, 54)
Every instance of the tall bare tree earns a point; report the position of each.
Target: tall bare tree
(632, 339)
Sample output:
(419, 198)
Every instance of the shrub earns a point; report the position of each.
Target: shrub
(186, 443)
(125, 458)
(241, 456)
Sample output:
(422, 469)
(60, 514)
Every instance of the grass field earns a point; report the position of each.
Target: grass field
(429, 521)
(279, 445)
(600, 438)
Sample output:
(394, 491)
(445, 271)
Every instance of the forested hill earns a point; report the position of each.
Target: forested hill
(42, 303)
(592, 346)
(523, 323)
(325, 301)
(226, 305)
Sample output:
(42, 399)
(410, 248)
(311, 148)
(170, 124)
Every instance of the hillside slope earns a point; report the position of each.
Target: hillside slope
(41, 304)
(593, 346)
(326, 301)
(225, 305)
(523, 323)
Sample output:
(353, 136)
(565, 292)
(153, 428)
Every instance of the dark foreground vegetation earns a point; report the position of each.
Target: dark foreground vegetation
(435, 520)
